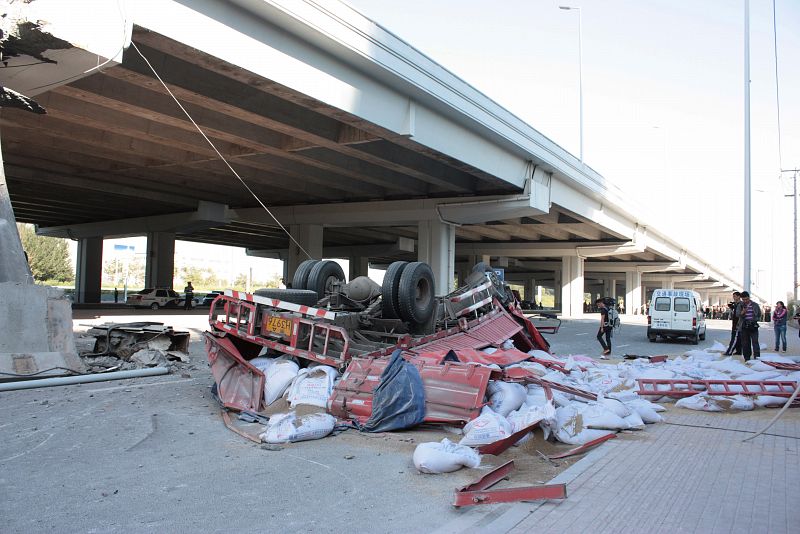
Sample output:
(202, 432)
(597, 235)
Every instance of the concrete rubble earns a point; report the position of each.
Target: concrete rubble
(136, 345)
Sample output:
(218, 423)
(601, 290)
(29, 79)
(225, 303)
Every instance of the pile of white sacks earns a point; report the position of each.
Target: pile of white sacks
(575, 420)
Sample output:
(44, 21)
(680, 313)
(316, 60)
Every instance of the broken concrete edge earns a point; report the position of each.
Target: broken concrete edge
(83, 379)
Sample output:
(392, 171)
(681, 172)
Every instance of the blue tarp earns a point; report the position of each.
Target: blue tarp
(399, 400)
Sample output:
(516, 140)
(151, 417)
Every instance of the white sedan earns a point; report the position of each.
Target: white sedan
(155, 298)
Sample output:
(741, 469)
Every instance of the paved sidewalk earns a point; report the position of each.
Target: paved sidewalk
(692, 474)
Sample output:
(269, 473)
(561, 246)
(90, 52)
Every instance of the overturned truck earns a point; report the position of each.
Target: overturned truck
(355, 327)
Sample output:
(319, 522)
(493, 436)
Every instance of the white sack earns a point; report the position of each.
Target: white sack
(773, 357)
(312, 386)
(717, 347)
(287, 427)
(444, 457)
(570, 427)
(279, 375)
(487, 428)
(729, 366)
(646, 410)
(505, 397)
(768, 401)
(707, 403)
(616, 407)
(634, 421)
(508, 344)
(595, 415)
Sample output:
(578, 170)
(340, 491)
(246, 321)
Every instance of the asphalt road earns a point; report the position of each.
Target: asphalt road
(152, 455)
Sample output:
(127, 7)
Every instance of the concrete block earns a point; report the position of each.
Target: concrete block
(36, 331)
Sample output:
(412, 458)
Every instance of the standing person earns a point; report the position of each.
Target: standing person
(189, 292)
(116, 295)
(779, 319)
(735, 346)
(749, 315)
(605, 329)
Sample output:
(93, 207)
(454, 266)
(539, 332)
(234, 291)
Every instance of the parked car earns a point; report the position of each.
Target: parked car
(155, 298)
(209, 298)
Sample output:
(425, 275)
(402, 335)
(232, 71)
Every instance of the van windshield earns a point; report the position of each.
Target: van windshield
(681, 304)
(663, 303)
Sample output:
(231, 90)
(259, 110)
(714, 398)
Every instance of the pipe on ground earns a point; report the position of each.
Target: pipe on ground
(83, 379)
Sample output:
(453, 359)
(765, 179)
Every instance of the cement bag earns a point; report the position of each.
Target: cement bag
(717, 347)
(595, 415)
(729, 366)
(758, 365)
(536, 396)
(777, 358)
(487, 428)
(527, 416)
(646, 410)
(444, 457)
(634, 421)
(701, 355)
(287, 427)
(489, 350)
(542, 355)
(699, 402)
(570, 427)
(508, 344)
(615, 406)
(312, 386)
(278, 377)
(536, 368)
(261, 363)
(770, 374)
(768, 401)
(505, 397)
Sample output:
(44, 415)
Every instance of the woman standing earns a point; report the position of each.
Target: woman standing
(779, 317)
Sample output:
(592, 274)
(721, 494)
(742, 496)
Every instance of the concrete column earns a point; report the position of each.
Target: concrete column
(668, 283)
(13, 266)
(89, 270)
(530, 290)
(436, 245)
(159, 267)
(572, 286)
(633, 292)
(557, 290)
(310, 238)
(359, 266)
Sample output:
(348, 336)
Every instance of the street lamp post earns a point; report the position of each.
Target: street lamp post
(580, 69)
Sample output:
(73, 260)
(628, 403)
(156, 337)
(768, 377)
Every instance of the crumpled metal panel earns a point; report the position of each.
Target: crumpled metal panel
(240, 385)
(501, 357)
(494, 330)
(454, 392)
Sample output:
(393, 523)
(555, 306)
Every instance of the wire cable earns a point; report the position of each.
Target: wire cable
(211, 144)
(777, 84)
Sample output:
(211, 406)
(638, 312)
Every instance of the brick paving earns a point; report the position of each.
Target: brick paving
(691, 474)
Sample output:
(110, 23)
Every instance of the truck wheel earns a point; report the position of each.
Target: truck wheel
(295, 296)
(300, 278)
(322, 277)
(652, 338)
(154, 306)
(389, 288)
(415, 293)
(694, 339)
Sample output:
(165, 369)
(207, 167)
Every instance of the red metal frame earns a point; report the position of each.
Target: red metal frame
(583, 448)
(504, 444)
(688, 388)
(478, 492)
(783, 366)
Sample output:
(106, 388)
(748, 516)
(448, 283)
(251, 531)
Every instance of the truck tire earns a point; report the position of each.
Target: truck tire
(415, 293)
(391, 282)
(295, 296)
(300, 278)
(322, 277)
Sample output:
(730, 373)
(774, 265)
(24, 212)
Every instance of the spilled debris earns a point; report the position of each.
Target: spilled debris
(469, 362)
(136, 345)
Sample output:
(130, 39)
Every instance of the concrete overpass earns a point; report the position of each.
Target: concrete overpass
(361, 146)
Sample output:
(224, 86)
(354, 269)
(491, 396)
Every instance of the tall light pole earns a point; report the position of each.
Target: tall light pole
(580, 68)
(794, 205)
(747, 207)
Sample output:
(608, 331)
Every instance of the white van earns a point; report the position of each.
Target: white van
(676, 313)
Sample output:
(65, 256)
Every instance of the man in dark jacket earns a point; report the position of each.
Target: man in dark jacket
(735, 346)
(749, 315)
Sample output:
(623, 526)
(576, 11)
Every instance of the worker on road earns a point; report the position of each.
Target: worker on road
(605, 329)
(189, 292)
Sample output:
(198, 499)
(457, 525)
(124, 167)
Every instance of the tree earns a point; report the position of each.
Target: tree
(47, 256)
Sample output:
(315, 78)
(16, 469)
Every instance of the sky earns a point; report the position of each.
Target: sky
(663, 91)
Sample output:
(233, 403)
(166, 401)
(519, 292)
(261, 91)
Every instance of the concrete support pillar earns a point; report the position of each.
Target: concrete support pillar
(160, 263)
(359, 266)
(633, 292)
(13, 266)
(310, 238)
(572, 286)
(557, 303)
(530, 290)
(89, 270)
(436, 246)
(668, 283)
(609, 288)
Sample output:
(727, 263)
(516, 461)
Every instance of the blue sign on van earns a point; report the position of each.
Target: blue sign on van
(673, 293)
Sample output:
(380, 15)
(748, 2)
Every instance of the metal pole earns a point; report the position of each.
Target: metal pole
(746, 285)
(580, 73)
(794, 203)
(83, 379)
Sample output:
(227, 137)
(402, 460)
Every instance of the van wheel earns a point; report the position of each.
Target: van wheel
(703, 336)
(694, 339)
(652, 338)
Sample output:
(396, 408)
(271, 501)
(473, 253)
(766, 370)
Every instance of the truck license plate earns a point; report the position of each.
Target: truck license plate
(279, 325)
